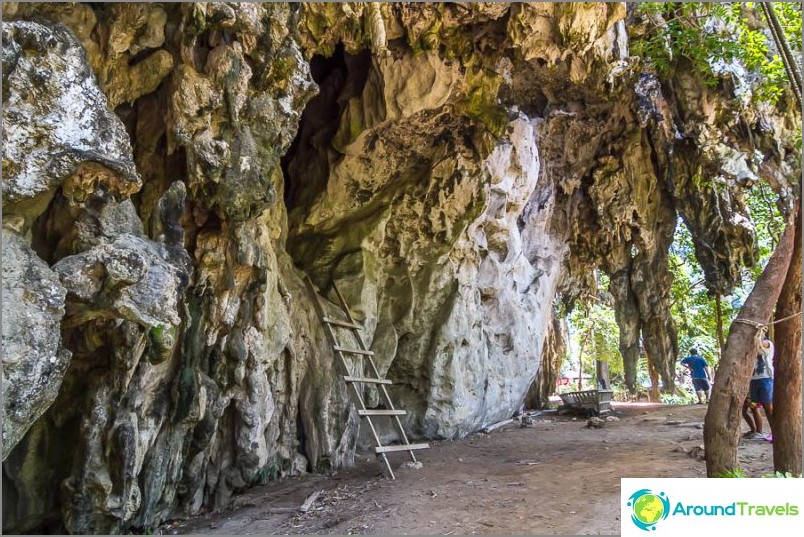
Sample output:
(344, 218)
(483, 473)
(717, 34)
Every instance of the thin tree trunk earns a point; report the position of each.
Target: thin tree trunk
(580, 360)
(786, 424)
(580, 368)
(594, 357)
(722, 423)
(653, 395)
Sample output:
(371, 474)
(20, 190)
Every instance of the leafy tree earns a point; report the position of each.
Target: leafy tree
(711, 36)
(768, 222)
(692, 306)
(594, 331)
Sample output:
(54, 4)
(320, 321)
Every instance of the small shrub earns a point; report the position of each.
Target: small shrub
(738, 472)
(785, 474)
(734, 472)
(681, 397)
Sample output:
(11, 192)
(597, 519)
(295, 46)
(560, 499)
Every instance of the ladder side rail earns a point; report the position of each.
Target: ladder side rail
(355, 390)
(362, 345)
(374, 370)
(362, 406)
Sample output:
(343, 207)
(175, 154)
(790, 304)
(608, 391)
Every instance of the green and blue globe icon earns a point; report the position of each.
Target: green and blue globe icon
(648, 508)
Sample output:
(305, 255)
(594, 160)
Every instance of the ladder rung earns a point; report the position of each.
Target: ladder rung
(344, 324)
(401, 447)
(367, 380)
(353, 351)
(381, 412)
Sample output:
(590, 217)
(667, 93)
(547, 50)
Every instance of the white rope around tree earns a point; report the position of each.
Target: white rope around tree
(758, 325)
(762, 328)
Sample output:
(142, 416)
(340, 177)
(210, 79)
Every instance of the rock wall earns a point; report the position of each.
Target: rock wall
(456, 302)
(172, 172)
(193, 367)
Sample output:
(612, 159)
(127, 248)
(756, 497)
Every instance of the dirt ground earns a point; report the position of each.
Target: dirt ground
(555, 476)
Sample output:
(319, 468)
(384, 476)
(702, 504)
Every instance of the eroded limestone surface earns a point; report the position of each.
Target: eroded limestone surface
(172, 172)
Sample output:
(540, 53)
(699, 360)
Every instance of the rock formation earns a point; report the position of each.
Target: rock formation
(33, 359)
(172, 172)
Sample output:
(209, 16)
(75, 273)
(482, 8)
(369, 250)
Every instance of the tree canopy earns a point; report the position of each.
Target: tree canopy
(717, 36)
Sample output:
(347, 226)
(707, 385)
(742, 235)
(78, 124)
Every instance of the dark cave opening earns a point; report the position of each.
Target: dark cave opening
(306, 164)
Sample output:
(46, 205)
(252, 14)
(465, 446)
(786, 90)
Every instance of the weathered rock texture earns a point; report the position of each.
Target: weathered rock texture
(56, 125)
(33, 359)
(172, 172)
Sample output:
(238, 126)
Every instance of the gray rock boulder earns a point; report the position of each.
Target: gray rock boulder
(33, 360)
(57, 129)
(125, 279)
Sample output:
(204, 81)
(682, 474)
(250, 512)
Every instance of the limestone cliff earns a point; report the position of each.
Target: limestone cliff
(171, 172)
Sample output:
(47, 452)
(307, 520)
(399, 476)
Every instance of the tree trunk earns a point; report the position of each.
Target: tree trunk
(787, 368)
(580, 359)
(653, 395)
(602, 372)
(580, 367)
(722, 423)
(553, 355)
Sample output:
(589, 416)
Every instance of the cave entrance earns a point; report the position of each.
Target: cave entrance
(306, 165)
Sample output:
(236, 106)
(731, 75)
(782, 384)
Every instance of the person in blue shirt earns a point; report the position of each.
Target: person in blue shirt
(701, 374)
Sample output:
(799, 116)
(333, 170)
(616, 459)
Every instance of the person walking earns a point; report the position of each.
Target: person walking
(701, 374)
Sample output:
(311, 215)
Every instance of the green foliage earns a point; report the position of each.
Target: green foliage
(734, 472)
(787, 475)
(707, 33)
(679, 398)
(739, 473)
(789, 14)
(620, 392)
(678, 31)
(157, 331)
(270, 472)
(768, 222)
(261, 477)
(595, 333)
(692, 308)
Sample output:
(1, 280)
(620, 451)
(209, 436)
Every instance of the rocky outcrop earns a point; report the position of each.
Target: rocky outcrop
(172, 172)
(111, 297)
(57, 129)
(33, 360)
(452, 245)
(435, 281)
(59, 136)
(196, 368)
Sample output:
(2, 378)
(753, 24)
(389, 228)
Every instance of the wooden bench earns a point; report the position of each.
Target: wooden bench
(594, 401)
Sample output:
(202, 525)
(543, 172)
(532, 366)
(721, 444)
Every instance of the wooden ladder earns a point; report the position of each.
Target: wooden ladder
(358, 380)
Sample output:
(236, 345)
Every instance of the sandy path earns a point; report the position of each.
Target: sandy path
(554, 477)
